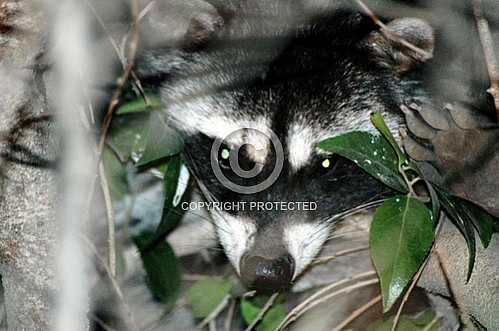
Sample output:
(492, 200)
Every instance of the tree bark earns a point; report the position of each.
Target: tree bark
(27, 213)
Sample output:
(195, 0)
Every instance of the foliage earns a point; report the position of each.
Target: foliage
(408, 323)
(403, 227)
(250, 310)
(162, 141)
(370, 152)
(401, 236)
(162, 269)
(205, 295)
(139, 135)
(139, 105)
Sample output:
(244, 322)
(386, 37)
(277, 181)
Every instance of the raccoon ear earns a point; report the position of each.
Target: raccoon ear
(203, 28)
(390, 47)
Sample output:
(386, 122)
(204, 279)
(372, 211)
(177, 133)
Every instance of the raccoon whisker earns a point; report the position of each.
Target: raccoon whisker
(356, 210)
(349, 231)
(216, 249)
(325, 259)
(211, 198)
(200, 216)
(344, 234)
(317, 233)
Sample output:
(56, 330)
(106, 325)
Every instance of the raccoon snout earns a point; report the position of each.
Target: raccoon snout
(267, 274)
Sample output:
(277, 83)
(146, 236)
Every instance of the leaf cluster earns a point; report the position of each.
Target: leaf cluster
(404, 227)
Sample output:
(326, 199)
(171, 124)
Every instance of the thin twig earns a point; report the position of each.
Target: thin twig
(356, 313)
(214, 314)
(262, 312)
(105, 127)
(388, 33)
(418, 274)
(121, 80)
(297, 311)
(114, 282)
(452, 293)
(111, 233)
(119, 52)
(193, 277)
(432, 323)
(230, 315)
(344, 290)
(340, 253)
(101, 323)
(106, 32)
(488, 52)
(415, 279)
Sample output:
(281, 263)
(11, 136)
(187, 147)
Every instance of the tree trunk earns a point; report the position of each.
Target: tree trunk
(27, 213)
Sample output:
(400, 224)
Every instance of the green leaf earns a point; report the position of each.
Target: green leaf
(139, 105)
(248, 310)
(458, 216)
(401, 236)
(270, 321)
(162, 141)
(127, 135)
(162, 269)
(380, 124)
(408, 323)
(172, 206)
(371, 152)
(115, 174)
(170, 183)
(482, 221)
(435, 202)
(205, 295)
(404, 163)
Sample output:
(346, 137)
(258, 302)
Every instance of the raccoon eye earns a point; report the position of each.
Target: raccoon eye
(223, 157)
(326, 166)
(326, 163)
(224, 154)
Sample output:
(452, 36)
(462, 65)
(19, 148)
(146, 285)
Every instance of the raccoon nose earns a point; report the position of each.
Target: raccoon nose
(264, 274)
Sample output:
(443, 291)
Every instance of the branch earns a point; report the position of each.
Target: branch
(105, 128)
(111, 233)
(418, 274)
(114, 283)
(432, 323)
(230, 316)
(388, 33)
(488, 52)
(214, 314)
(309, 302)
(121, 80)
(116, 48)
(262, 312)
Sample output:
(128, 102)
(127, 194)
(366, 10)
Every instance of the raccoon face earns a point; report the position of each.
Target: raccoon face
(246, 110)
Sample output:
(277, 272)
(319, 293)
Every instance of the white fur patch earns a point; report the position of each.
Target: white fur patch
(183, 180)
(304, 241)
(208, 116)
(300, 145)
(235, 234)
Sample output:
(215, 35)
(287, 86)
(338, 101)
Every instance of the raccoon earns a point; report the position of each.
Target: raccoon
(250, 96)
